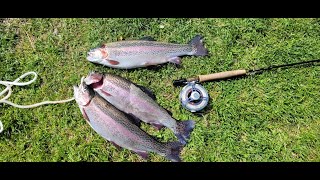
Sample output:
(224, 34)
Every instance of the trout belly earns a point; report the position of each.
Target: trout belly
(129, 62)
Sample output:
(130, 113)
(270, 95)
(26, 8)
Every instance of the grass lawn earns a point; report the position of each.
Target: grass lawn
(274, 116)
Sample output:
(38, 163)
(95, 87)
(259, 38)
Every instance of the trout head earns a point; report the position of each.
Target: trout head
(94, 80)
(83, 94)
(97, 55)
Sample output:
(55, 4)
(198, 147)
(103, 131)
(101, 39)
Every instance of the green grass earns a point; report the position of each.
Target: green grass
(269, 117)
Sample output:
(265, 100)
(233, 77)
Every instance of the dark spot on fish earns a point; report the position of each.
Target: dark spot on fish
(113, 62)
(84, 114)
(105, 93)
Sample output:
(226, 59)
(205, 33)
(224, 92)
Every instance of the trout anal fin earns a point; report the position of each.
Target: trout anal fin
(146, 64)
(157, 126)
(116, 145)
(175, 60)
(142, 154)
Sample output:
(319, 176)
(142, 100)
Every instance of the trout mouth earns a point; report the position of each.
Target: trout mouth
(97, 55)
(94, 80)
(97, 85)
(90, 57)
(78, 96)
(82, 93)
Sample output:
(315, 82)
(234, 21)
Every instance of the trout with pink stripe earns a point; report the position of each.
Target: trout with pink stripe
(144, 52)
(116, 127)
(138, 102)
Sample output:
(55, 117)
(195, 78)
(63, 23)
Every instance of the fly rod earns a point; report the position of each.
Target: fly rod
(234, 73)
(195, 97)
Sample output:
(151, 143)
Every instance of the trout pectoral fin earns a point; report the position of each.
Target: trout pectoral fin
(112, 62)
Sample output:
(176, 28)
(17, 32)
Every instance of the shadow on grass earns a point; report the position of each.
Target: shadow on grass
(10, 130)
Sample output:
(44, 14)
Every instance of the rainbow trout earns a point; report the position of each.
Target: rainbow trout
(144, 52)
(116, 127)
(138, 102)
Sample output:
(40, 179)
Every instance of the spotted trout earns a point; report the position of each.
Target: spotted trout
(117, 128)
(144, 52)
(138, 102)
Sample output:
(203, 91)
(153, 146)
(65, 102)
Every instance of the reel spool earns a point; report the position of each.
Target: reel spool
(194, 97)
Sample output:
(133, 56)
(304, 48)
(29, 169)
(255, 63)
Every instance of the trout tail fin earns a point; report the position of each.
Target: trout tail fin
(173, 151)
(184, 128)
(198, 47)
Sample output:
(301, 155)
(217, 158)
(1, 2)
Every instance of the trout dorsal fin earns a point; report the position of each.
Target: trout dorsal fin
(147, 38)
(147, 91)
(150, 94)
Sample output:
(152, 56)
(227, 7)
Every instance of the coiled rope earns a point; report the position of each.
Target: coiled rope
(16, 82)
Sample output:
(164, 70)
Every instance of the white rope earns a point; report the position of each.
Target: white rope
(16, 82)
(1, 127)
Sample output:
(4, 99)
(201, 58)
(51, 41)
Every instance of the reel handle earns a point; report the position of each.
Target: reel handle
(222, 75)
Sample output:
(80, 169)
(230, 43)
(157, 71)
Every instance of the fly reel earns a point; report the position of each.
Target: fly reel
(194, 97)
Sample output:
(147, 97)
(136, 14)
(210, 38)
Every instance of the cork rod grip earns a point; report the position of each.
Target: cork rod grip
(221, 75)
